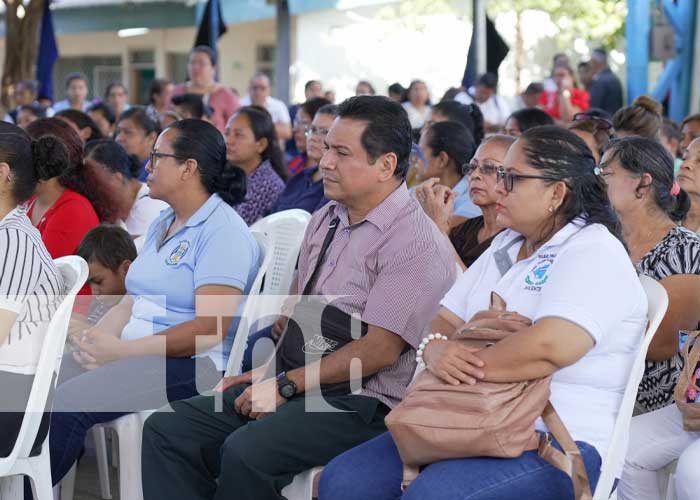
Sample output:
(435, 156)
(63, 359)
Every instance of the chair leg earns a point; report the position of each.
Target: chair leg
(98, 435)
(11, 487)
(40, 477)
(130, 463)
(67, 484)
(671, 488)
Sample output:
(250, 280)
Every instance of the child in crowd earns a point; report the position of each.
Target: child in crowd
(109, 251)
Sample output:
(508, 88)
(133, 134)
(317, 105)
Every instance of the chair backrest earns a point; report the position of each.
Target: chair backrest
(657, 300)
(285, 232)
(75, 273)
(280, 236)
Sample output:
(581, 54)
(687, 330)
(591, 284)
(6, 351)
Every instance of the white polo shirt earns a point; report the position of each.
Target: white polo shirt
(277, 109)
(584, 275)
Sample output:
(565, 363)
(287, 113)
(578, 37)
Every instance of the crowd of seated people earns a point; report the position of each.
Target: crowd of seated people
(419, 211)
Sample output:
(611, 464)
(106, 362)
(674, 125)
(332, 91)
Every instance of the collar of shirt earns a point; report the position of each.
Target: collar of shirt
(380, 216)
(506, 251)
(166, 218)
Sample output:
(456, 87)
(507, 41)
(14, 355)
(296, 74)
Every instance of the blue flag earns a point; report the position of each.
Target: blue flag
(47, 56)
(212, 25)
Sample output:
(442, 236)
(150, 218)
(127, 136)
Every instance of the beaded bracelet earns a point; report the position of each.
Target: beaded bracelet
(424, 342)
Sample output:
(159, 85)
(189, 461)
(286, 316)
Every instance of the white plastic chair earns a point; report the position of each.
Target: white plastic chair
(75, 272)
(657, 304)
(280, 236)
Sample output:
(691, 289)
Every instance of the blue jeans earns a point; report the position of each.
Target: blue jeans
(373, 471)
(85, 398)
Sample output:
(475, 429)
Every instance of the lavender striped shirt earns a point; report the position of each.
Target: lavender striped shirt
(391, 269)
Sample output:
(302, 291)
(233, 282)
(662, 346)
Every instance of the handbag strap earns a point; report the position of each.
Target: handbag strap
(570, 461)
(332, 227)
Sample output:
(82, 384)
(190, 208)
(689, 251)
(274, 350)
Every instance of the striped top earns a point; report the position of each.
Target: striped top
(30, 286)
(390, 270)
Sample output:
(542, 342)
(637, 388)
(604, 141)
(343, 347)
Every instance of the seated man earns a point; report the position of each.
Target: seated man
(374, 249)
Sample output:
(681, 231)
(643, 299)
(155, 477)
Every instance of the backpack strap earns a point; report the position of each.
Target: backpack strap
(570, 461)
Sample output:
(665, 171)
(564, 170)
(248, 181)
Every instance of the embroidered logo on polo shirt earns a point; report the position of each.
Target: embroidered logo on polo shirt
(538, 274)
(178, 253)
(319, 344)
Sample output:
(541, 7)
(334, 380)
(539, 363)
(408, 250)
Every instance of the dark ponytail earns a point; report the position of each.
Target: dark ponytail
(201, 141)
(560, 154)
(454, 139)
(640, 156)
(49, 157)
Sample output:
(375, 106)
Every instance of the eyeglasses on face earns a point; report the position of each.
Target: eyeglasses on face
(508, 178)
(153, 157)
(486, 168)
(317, 131)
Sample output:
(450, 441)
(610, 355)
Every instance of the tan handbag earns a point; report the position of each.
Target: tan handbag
(438, 421)
(687, 382)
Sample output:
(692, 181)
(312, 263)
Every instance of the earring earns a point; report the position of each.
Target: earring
(639, 195)
(9, 178)
(551, 210)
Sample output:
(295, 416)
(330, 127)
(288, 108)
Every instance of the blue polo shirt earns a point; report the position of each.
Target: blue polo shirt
(464, 206)
(214, 247)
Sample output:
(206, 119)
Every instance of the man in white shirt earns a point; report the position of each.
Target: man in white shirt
(76, 94)
(259, 95)
(494, 108)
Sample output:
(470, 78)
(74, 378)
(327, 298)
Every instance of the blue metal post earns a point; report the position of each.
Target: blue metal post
(637, 33)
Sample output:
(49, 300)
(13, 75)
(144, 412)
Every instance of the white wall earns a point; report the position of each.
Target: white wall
(340, 47)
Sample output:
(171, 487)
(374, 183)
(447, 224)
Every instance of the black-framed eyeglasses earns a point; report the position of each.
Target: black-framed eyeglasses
(509, 178)
(485, 168)
(599, 122)
(153, 157)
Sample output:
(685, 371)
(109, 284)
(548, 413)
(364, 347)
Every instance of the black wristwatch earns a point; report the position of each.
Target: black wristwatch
(286, 388)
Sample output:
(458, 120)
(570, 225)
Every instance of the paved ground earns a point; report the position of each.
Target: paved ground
(87, 484)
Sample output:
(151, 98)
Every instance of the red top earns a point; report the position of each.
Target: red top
(223, 101)
(550, 101)
(65, 224)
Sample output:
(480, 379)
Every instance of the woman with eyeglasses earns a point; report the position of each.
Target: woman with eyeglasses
(305, 190)
(473, 236)
(302, 122)
(639, 174)
(163, 341)
(201, 69)
(446, 146)
(577, 313)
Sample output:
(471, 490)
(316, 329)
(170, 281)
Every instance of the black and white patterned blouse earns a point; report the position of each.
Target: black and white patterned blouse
(677, 253)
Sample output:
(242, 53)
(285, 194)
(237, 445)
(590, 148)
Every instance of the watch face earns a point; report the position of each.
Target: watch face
(287, 391)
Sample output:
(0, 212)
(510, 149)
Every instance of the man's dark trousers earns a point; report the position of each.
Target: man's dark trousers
(186, 450)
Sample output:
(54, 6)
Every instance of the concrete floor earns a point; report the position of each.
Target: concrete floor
(87, 483)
